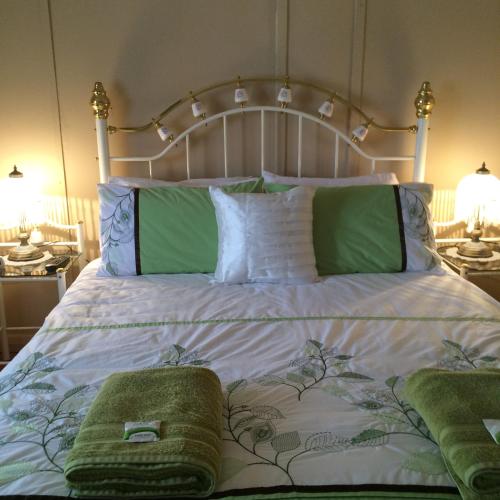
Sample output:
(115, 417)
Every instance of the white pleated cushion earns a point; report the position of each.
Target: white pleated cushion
(265, 238)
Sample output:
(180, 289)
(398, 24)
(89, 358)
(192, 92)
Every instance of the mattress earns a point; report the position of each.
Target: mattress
(313, 376)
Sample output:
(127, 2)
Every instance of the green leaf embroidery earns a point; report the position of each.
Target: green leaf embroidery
(75, 390)
(392, 381)
(389, 418)
(39, 386)
(343, 357)
(354, 376)
(15, 470)
(370, 405)
(370, 437)
(286, 441)
(488, 359)
(452, 344)
(180, 350)
(326, 441)
(266, 412)
(319, 345)
(236, 385)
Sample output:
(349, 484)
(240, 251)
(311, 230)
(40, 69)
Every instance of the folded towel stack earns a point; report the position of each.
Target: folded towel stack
(185, 461)
(453, 406)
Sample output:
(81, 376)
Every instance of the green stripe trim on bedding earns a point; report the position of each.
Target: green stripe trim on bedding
(342, 491)
(268, 320)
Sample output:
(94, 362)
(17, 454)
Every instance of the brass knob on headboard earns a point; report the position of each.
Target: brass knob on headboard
(100, 102)
(424, 102)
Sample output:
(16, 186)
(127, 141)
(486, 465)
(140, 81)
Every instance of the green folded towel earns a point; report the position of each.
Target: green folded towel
(453, 406)
(185, 461)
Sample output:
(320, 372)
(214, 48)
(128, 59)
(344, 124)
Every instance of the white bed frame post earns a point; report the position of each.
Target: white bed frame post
(101, 105)
(424, 102)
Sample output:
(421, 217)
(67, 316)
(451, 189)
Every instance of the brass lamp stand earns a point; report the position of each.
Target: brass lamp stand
(475, 248)
(24, 251)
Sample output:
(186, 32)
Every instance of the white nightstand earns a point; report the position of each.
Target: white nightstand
(29, 273)
(484, 273)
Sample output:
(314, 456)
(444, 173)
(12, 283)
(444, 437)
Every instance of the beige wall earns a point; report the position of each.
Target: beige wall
(150, 52)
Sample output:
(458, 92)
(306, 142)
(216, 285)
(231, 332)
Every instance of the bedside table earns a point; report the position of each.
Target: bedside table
(31, 272)
(484, 273)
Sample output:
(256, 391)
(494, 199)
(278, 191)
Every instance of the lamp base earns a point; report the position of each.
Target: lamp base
(25, 251)
(475, 248)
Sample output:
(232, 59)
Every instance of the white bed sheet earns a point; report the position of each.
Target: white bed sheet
(314, 374)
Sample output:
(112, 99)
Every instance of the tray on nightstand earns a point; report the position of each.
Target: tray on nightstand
(471, 266)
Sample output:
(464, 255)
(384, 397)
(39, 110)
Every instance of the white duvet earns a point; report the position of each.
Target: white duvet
(313, 374)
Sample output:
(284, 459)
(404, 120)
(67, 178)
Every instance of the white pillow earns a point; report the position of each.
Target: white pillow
(265, 238)
(142, 182)
(382, 178)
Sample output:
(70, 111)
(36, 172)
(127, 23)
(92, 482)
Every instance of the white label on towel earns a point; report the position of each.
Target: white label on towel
(493, 427)
(142, 432)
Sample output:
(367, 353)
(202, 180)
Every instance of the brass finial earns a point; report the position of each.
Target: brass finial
(482, 171)
(424, 102)
(100, 102)
(17, 174)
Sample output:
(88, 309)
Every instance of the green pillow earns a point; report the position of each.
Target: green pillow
(356, 229)
(161, 229)
(178, 228)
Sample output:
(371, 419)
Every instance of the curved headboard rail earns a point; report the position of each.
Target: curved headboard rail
(301, 115)
(424, 103)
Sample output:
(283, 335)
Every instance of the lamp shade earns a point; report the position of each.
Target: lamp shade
(20, 202)
(477, 198)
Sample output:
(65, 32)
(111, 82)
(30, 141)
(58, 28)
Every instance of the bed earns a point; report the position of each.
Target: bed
(313, 374)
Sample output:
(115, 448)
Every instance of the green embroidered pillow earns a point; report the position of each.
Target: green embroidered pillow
(160, 229)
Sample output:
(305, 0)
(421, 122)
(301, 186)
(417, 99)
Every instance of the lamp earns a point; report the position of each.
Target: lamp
(477, 203)
(240, 94)
(285, 95)
(20, 205)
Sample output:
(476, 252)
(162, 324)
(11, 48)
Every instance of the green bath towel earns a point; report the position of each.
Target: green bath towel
(184, 462)
(453, 405)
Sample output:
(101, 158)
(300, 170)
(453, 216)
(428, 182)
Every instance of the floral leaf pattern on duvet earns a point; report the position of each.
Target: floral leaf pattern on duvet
(255, 429)
(36, 365)
(459, 358)
(177, 355)
(316, 365)
(50, 423)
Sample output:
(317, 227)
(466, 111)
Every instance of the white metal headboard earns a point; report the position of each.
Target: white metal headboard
(424, 103)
